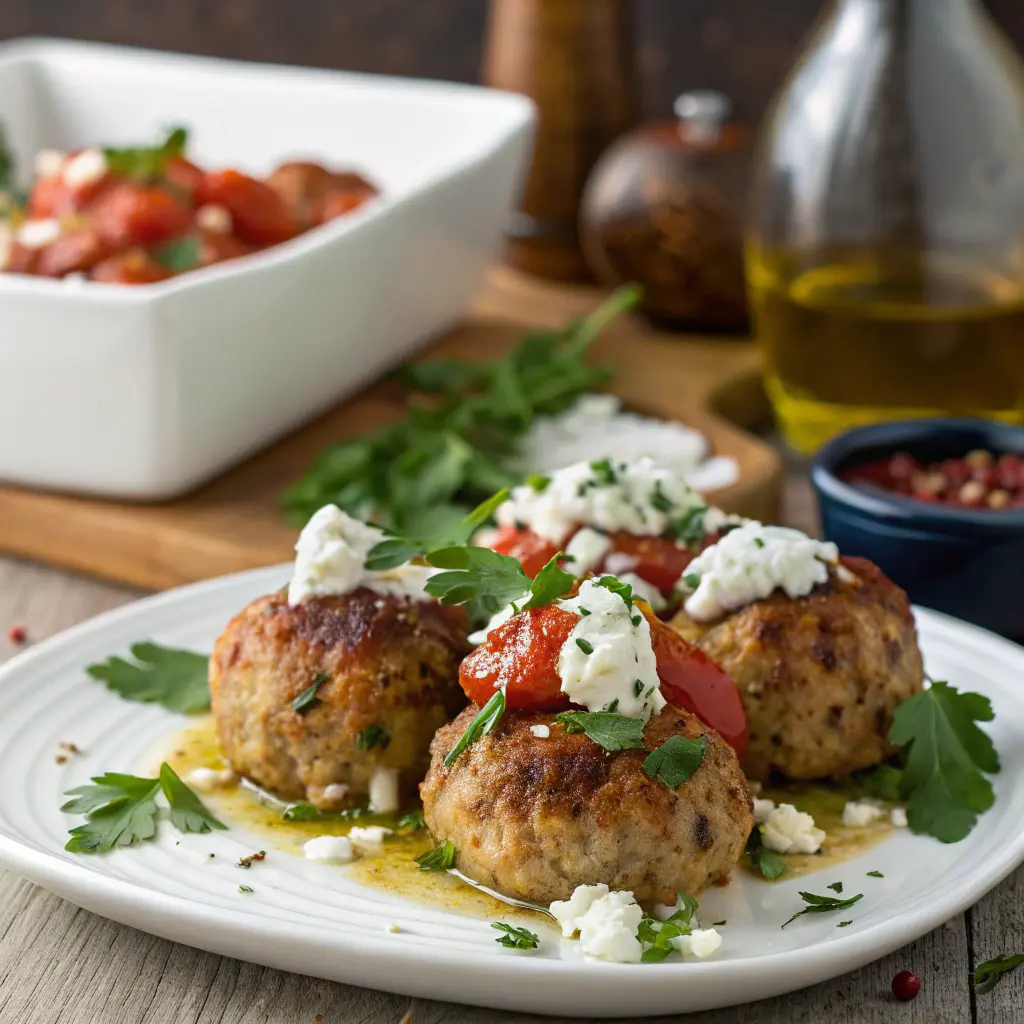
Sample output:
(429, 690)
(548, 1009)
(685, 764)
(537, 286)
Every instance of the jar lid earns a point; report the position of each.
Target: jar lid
(703, 113)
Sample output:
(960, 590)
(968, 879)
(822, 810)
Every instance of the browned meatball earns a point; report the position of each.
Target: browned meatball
(819, 675)
(389, 663)
(535, 817)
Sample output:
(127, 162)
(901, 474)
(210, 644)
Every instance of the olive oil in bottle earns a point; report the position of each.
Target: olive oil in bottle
(858, 339)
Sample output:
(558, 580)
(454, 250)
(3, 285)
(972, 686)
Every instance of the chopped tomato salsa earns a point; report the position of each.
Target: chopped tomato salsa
(135, 216)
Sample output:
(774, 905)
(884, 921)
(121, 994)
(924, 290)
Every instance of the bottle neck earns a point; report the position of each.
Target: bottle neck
(907, 10)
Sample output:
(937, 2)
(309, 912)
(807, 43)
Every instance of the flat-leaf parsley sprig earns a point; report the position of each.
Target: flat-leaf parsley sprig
(122, 809)
(175, 678)
(823, 904)
(945, 755)
(515, 936)
(457, 446)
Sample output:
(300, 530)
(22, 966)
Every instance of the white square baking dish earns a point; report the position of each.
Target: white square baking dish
(143, 392)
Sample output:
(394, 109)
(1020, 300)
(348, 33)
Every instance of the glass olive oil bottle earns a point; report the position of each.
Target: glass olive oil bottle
(885, 257)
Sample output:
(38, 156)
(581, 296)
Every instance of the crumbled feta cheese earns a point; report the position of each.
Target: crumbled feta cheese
(49, 163)
(701, 942)
(330, 556)
(607, 922)
(335, 794)
(898, 817)
(333, 848)
(642, 589)
(788, 830)
(596, 427)
(861, 813)
(206, 780)
(214, 218)
(384, 790)
(586, 550)
(749, 563)
(542, 732)
(609, 656)
(85, 168)
(37, 234)
(618, 562)
(637, 496)
(762, 810)
(368, 838)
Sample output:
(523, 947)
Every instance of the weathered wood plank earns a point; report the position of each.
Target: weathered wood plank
(997, 926)
(62, 964)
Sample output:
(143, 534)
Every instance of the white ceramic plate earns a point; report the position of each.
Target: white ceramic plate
(310, 918)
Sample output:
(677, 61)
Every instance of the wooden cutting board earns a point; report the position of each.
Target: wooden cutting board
(234, 523)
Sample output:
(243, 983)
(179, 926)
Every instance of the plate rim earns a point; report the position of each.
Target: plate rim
(773, 973)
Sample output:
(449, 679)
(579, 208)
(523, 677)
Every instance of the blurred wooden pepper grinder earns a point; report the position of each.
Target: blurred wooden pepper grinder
(574, 59)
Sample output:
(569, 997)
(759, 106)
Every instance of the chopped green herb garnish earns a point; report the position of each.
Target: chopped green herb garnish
(174, 678)
(844, 924)
(372, 736)
(412, 821)
(823, 905)
(676, 760)
(179, 254)
(875, 874)
(515, 937)
(245, 888)
(583, 611)
(660, 500)
(304, 811)
(441, 858)
(616, 586)
(308, 699)
(689, 527)
(539, 483)
(835, 886)
(584, 645)
(147, 163)
(758, 543)
(766, 861)
(638, 687)
(692, 580)
(604, 471)
(487, 719)
(718, 924)
(608, 730)
(989, 973)
(636, 620)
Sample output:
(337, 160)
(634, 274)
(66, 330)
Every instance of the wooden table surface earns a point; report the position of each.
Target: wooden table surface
(62, 964)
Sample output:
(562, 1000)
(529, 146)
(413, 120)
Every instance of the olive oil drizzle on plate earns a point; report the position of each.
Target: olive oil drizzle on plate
(394, 869)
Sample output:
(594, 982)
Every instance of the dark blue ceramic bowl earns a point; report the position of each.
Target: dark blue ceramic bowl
(967, 562)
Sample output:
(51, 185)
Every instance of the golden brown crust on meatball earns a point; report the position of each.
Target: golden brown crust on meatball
(391, 663)
(819, 675)
(534, 818)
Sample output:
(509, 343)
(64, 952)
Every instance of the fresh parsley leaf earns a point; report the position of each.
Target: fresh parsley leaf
(689, 527)
(835, 886)
(486, 721)
(147, 163)
(373, 736)
(989, 973)
(549, 584)
(462, 444)
(875, 874)
(658, 935)
(687, 911)
(616, 586)
(187, 812)
(610, 731)
(844, 924)
(823, 905)
(245, 888)
(308, 699)
(413, 820)
(179, 254)
(515, 937)
(769, 863)
(175, 678)
(304, 811)
(539, 483)
(120, 810)
(483, 512)
(945, 754)
(476, 573)
(676, 760)
(441, 858)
